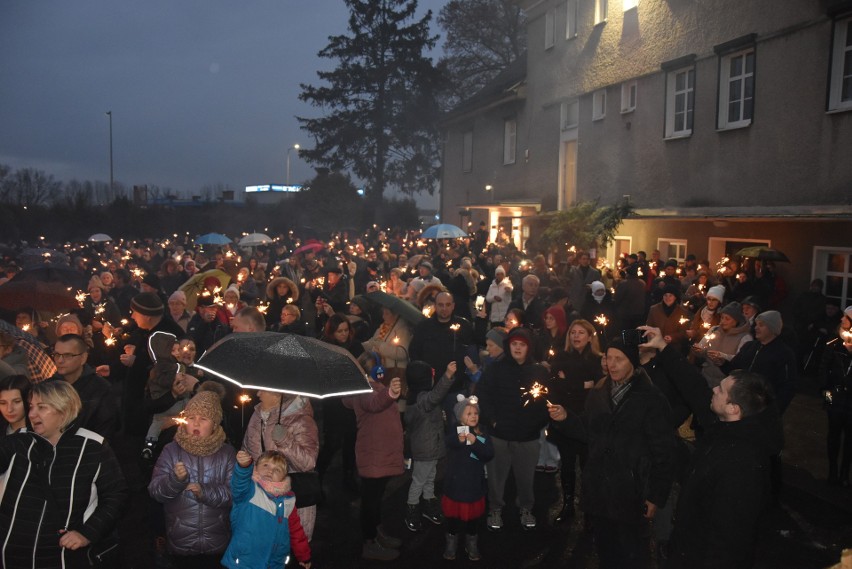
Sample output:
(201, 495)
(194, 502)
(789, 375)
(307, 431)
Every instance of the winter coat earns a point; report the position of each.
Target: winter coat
(775, 361)
(578, 284)
(394, 354)
(434, 343)
(835, 374)
(265, 527)
(424, 422)
(83, 472)
(98, 413)
(503, 289)
(464, 475)
(630, 300)
(631, 450)
(578, 368)
(378, 446)
(195, 525)
(670, 324)
(728, 343)
(727, 482)
(300, 443)
(509, 415)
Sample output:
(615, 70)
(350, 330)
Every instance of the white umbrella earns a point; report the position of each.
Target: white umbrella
(254, 239)
(99, 238)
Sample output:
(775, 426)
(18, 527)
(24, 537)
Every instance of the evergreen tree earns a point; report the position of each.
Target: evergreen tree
(482, 38)
(381, 115)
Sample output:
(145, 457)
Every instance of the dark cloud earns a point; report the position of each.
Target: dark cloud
(202, 92)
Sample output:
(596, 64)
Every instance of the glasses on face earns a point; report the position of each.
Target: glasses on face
(60, 357)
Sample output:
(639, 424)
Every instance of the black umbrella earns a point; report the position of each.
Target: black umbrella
(50, 273)
(401, 308)
(763, 254)
(286, 363)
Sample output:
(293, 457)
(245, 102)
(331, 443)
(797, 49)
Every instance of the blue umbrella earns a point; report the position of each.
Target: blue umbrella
(213, 239)
(444, 231)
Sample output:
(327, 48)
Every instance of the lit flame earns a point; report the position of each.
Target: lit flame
(125, 322)
(26, 327)
(535, 391)
(395, 340)
(81, 297)
(551, 352)
(180, 420)
(683, 320)
(109, 341)
(455, 327)
(706, 325)
(847, 336)
(262, 307)
(428, 310)
(602, 319)
(244, 399)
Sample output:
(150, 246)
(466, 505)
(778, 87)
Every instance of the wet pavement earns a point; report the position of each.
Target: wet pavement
(806, 529)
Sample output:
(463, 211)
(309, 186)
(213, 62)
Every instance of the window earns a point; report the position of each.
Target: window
(840, 90)
(600, 11)
(571, 20)
(510, 131)
(549, 30)
(467, 151)
(630, 4)
(628, 96)
(680, 102)
(598, 104)
(672, 248)
(569, 115)
(736, 89)
(834, 266)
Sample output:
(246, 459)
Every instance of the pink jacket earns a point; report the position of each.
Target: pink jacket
(378, 447)
(300, 441)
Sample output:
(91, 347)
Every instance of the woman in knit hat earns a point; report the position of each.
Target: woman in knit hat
(671, 317)
(709, 315)
(192, 480)
(463, 503)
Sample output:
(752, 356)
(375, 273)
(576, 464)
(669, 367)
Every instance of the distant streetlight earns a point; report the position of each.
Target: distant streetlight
(296, 148)
(109, 114)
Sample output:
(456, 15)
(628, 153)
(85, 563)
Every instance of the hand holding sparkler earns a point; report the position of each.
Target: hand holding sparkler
(557, 412)
(180, 471)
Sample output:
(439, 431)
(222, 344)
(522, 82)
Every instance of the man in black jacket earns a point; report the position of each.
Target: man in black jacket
(727, 482)
(98, 415)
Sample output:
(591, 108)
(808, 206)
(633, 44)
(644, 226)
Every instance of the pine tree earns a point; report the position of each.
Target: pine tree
(381, 115)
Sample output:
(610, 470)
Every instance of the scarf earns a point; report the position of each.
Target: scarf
(386, 328)
(272, 488)
(203, 446)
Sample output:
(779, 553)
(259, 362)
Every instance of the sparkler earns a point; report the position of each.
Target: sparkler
(395, 340)
(26, 327)
(455, 328)
(243, 400)
(846, 335)
(602, 320)
(706, 325)
(109, 342)
(80, 297)
(428, 310)
(535, 391)
(683, 320)
(262, 307)
(180, 420)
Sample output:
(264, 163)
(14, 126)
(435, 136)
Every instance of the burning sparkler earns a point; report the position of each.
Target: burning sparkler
(683, 320)
(81, 297)
(181, 420)
(455, 328)
(602, 320)
(428, 310)
(535, 391)
(243, 400)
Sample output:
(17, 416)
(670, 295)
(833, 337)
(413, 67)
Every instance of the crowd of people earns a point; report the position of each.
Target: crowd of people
(662, 383)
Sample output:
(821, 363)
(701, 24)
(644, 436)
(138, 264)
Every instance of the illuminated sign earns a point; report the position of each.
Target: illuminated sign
(273, 188)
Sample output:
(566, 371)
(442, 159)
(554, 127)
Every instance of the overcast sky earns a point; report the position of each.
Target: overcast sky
(201, 91)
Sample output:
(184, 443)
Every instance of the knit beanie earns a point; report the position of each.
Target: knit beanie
(95, 281)
(206, 404)
(717, 292)
(497, 335)
(147, 304)
(632, 352)
(519, 334)
(672, 289)
(152, 280)
(752, 301)
(178, 295)
(848, 312)
(735, 311)
(597, 286)
(772, 320)
(463, 403)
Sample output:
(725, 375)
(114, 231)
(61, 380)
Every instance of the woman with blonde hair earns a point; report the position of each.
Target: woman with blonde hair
(573, 373)
(64, 489)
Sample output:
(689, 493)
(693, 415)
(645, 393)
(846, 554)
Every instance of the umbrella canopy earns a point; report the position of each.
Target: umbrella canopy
(285, 363)
(212, 239)
(763, 254)
(195, 285)
(99, 238)
(39, 365)
(443, 231)
(38, 295)
(255, 239)
(311, 245)
(401, 308)
(39, 256)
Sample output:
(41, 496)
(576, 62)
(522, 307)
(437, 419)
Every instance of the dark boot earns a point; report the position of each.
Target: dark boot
(412, 517)
(451, 546)
(566, 514)
(432, 511)
(471, 547)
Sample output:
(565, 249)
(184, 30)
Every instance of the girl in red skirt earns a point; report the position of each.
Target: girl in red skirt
(468, 449)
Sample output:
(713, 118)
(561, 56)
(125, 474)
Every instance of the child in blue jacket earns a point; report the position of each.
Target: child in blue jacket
(264, 520)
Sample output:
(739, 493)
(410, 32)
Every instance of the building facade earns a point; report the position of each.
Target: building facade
(724, 123)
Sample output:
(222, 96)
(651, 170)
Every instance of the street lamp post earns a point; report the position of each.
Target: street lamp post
(296, 148)
(109, 114)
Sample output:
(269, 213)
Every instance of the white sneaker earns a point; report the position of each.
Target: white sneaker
(495, 520)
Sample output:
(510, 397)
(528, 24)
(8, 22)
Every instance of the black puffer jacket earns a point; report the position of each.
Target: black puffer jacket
(631, 450)
(84, 477)
(509, 413)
